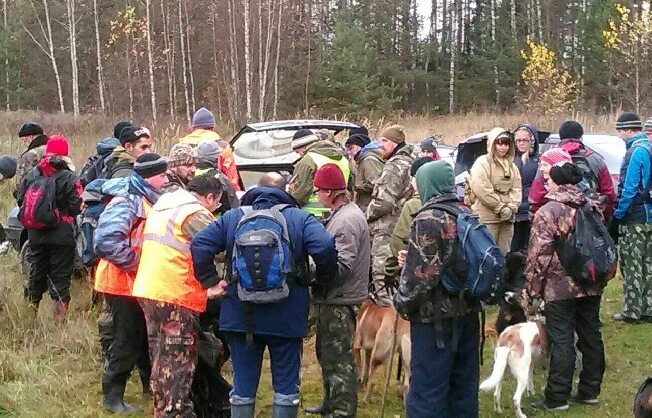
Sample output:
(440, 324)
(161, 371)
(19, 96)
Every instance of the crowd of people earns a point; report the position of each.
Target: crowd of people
(189, 274)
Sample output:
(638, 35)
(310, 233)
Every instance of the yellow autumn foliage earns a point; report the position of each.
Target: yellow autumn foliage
(549, 89)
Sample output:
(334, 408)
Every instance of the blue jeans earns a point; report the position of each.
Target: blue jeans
(285, 358)
(444, 383)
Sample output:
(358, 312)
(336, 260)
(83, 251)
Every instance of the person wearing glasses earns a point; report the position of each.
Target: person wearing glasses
(527, 161)
(495, 187)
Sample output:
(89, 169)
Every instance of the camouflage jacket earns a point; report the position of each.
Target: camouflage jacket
(420, 296)
(29, 159)
(545, 275)
(393, 187)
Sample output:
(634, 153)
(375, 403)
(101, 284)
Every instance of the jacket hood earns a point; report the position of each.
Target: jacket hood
(175, 199)
(266, 197)
(51, 164)
(491, 137)
(534, 151)
(120, 155)
(567, 194)
(106, 146)
(435, 179)
(636, 138)
(326, 148)
(129, 186)
(367, 150)
(572, 146)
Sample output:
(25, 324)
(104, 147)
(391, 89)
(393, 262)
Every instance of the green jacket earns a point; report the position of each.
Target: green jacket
(369, 165)
(400, 237)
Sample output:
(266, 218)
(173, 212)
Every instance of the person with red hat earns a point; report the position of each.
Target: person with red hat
(335, 312)
(50, 232)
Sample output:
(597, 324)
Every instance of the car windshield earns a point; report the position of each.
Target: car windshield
(264, 145)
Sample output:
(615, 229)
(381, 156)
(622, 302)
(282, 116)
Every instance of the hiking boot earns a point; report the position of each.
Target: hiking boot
(626, 319)
(243, 411)
(60, 313)
(548, 406)
(583, 399)
(317, 410)
(285, 411)
(117, 405)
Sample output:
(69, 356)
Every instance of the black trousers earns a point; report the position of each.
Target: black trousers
(51, 268)
(129, 346)
(521, 236)
(564, 318)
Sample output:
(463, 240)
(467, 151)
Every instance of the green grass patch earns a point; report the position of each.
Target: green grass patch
(55, 371)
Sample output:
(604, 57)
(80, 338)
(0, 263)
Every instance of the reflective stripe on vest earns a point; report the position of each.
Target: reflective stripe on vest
(165, 272)
(313, 206)
(109, 278)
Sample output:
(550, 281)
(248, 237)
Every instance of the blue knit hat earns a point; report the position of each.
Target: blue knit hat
(203, 118)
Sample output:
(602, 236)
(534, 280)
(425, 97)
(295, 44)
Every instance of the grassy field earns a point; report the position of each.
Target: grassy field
(55, 371)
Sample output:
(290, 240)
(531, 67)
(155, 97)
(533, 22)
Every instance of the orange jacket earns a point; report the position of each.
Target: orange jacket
(225, 161)
(165, 272)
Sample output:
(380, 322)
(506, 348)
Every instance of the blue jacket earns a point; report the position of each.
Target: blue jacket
(528, 173)
(288, 318)
(635, 177)
(111, 239)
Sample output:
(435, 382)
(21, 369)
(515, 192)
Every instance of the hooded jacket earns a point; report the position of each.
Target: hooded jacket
(495, 182)
(119, 219)
(635, 178)
(225, 160)
(369, 165)
(120, 163)
(433, 237)
(68, 201)
(289, 317)
(545, 275)
(528, 172)
(300, 186)
(597, 165)
(96, 165)
(29, 159)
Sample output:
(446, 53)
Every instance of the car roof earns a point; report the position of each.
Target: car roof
(295, 124)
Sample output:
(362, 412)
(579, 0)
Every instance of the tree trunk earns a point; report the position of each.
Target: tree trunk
(98, 47)
(453, 49)
(53, 58)
(268, 46)
(189, 55)
(493, 45)
(169, 53)
(512, 18)
(278, 53)
(309, 34)
(182, 42)
(247, 57)
(6, 42)
(233, 58)
(150, 60)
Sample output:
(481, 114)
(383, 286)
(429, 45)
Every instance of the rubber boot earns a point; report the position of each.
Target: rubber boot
(60, 313)
(285, 411)
(113, 400)
(243, 411)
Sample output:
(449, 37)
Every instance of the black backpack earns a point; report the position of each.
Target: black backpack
(582, 163)
(588, 254)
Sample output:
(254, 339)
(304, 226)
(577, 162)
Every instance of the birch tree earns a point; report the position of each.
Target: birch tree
(98, 48)
(247, 57)
(72, 39)
(182, 42)
(150, 59)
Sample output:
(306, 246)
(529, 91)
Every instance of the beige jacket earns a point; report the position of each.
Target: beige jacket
(494, 183)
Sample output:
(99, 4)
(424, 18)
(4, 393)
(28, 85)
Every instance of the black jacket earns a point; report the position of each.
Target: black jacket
(68, 201)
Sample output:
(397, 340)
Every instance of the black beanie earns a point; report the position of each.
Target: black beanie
(361, 129)
(131, 134)
(570, 130)
(119, 127)
(565, 174)
(418, 163)
(150, 164)
(301, 133)
(30, 128)
(358, 139)
(629, 120)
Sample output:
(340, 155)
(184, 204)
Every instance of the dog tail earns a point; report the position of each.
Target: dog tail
(500, 363)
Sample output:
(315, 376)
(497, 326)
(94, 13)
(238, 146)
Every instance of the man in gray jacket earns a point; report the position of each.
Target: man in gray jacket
(336, 313)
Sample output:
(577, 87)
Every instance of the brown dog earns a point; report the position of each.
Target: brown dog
(373, 334)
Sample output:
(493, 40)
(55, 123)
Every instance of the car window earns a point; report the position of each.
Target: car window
(264, 145)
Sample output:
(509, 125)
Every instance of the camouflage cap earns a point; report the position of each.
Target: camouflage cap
(182, 154)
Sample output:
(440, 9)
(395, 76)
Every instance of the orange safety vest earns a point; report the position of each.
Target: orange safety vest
(109, 278)
(165, 272)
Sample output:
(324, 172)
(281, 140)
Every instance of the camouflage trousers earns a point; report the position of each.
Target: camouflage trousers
(635, 248)
(335, 330)
(173, 333)
(380, 251)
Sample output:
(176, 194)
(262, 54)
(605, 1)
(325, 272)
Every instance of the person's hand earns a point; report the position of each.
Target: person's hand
(613, 229)
(402, 257)
(505, 214)
(217, 291)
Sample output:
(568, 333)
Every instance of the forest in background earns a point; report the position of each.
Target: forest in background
(255, 60)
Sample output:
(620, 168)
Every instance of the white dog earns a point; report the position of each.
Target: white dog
(519, 346)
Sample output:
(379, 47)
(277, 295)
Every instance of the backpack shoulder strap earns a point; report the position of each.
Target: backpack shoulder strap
(448, 207)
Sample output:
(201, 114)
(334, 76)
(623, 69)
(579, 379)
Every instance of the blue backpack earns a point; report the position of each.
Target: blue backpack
(261, 261)
(94, 204)
(477, 267)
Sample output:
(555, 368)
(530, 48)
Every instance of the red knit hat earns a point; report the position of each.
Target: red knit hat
(556, 156)
(57, 145)
(329, 177)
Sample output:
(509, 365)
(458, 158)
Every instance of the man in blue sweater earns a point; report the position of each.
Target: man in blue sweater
(279, 326)
(634, 216)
